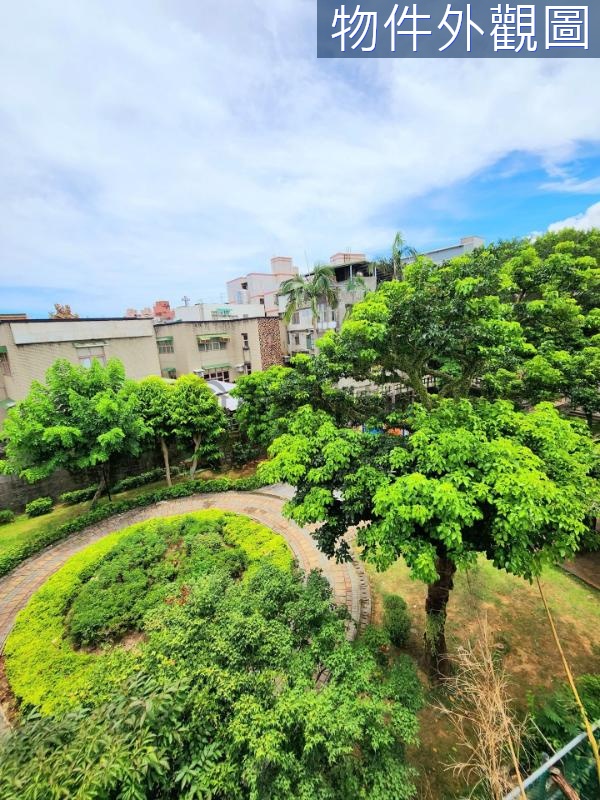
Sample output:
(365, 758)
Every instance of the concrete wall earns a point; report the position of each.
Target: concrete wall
(266, 345)
(32, 347)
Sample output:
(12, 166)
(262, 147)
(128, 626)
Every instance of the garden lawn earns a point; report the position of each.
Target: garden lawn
(24, 528)
(515, 613)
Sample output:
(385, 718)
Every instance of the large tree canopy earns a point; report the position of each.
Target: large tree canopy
(472, 477)
(445, 322)
(80, 418)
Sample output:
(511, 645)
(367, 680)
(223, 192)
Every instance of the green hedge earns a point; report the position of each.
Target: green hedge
(82, 495)
(396, 619)
(6, 516)
(39, 507)
(50, 535)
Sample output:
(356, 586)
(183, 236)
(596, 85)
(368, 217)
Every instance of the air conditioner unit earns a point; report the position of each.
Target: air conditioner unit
(239, 367)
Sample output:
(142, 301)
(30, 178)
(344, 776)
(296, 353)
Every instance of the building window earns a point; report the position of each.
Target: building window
(170, 372)
(212, 344)
(296, 318)
(244, 286)
(261, 301)
(5, 364)
(248, 369)
(87, 354)
(216, 375)
(297, 338)
(166, 346)
(245, 343)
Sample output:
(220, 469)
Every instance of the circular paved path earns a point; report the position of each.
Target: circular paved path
(348, 581)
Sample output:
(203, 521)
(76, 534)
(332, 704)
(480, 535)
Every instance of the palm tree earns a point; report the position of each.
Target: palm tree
(391, 268)
(302, 292)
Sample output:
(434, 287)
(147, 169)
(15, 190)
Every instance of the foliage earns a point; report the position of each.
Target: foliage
(197, 417)
(6, 516)
(309, 292)
(81, 418)
(446, 322)
(473, 477)
(49, 535)
(75, 496)
(104, 593)
(132, 482)
(38, 507)
(555, 720)
(228, 703)
(156, 404)
(269, 398)
(396, 619)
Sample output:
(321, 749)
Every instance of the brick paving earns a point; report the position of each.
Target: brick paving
(348, 581)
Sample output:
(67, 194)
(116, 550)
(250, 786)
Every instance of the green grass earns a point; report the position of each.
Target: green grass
(23, 528)
(518, 622)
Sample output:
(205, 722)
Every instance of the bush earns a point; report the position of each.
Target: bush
(78, 496)
(221, 695)
(141, 480)
(43, 505)
(396, 620)
(50, 535)
(106, 591)
(6, 516)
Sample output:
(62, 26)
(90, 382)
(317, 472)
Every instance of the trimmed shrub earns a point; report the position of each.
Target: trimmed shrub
(396, 620)
(50, 535)
(109, 588)
(78, 496)
(142, 479)
(6, 516)
(43, 505)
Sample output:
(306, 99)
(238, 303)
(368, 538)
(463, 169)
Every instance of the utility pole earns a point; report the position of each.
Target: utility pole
(185, 300)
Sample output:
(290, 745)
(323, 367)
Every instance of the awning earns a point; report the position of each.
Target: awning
(206, 337)
(165, 339)
(216, 366)
(3, 348)
(8, 403)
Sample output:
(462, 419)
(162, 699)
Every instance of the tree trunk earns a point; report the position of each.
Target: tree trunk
(589, 417)
(435, 608)
(106, 472)
(558, 779)
(165, 452)
(99, 490)
(197, 442)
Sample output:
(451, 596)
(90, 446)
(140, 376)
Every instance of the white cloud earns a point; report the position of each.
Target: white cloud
(159, 148)
(590, 218)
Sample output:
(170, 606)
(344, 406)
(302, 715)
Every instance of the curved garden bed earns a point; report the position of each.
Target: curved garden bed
(82, 633)
(185, 657)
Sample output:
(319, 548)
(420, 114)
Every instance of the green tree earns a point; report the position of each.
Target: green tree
(269, 398)
(197, 417)
(81, 418)
(155, 397)
(473, 477)
(441, 323)
(301, 292)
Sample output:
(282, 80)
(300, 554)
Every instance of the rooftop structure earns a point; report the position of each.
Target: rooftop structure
(260, 288)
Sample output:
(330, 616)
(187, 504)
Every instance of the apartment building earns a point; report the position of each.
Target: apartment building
(205, 312)
(354, 276)
(466, 245)
(261, 287)
(220, 349)
(352, 279)
(28, 347)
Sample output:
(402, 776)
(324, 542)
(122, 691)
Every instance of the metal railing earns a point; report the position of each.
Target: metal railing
(577, 765)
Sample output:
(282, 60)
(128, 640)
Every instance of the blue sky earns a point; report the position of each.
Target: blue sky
(152, 149)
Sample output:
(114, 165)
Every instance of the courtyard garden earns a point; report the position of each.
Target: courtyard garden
(190, 657)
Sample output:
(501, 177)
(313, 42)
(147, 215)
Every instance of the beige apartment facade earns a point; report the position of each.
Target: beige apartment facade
(28, 348)
(220, 349)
